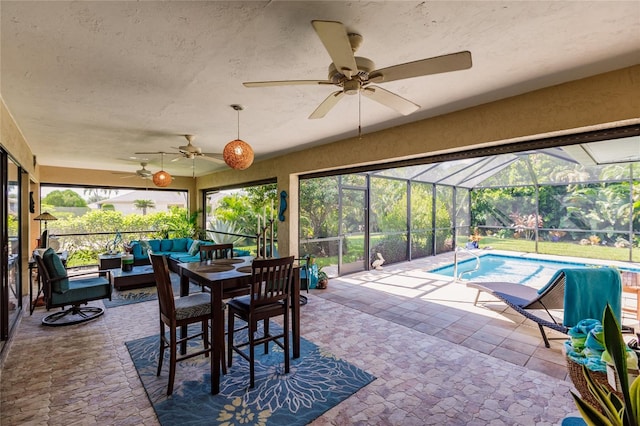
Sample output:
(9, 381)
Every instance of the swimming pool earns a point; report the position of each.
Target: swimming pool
(515, 269)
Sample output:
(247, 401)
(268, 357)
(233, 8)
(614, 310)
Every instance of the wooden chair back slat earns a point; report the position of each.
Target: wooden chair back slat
(216, 251)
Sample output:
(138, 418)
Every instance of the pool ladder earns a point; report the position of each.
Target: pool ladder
(457, 276)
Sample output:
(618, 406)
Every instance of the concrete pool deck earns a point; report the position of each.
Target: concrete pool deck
(408, 294)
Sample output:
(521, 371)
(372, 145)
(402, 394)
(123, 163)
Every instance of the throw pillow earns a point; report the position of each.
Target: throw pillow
(56, 269)
(195, 247)
(145, 248)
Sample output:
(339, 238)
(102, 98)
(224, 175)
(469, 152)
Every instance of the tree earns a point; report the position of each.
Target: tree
(66, 198)
(98, 194)
(144, 205)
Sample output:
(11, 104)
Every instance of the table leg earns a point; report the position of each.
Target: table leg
(217, 337)
(295, 313)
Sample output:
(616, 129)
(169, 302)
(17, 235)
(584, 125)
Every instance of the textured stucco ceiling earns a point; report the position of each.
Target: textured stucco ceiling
(91, 83)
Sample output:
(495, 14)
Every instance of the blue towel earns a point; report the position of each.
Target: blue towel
(587, 292)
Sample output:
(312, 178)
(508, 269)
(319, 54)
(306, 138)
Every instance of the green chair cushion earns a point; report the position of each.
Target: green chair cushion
(81, 290)
(56, 270)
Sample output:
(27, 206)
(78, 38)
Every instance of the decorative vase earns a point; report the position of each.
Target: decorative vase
(127, 262)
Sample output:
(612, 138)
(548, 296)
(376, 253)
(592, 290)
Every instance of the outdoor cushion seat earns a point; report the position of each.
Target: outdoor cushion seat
(61, 289)
(196, 305)
(581, 293)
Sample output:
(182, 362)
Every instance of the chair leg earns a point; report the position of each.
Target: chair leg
(253, 325)
(475, 302)
(544, 336)
(162, 347)
(266, 333)
(205, 336)
(286, 339)
(230, 338)
(172, 360)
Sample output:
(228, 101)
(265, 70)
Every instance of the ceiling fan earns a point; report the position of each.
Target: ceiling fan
(354, 74)
(143, 173)
(191, 152)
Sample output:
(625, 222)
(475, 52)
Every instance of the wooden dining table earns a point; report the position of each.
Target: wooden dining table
(226, 278)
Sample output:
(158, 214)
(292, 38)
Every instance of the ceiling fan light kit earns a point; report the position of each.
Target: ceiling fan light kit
(238, 154)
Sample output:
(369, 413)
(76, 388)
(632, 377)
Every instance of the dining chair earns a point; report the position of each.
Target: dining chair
(216, 251)
(179, 312)
(271, 283)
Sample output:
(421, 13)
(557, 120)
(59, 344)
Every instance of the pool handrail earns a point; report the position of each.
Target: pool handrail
(455, 263)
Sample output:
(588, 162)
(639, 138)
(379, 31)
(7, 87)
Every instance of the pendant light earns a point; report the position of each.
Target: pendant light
(162, 178)
(238, 154)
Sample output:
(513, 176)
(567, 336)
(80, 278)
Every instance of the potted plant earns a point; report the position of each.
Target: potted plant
(323, 278)
(623, 411)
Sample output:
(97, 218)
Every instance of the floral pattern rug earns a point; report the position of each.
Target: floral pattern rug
(316, 382)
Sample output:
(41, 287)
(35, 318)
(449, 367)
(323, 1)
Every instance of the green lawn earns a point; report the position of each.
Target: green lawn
(561, 249)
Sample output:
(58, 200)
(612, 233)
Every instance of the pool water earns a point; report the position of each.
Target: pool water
(496, 267)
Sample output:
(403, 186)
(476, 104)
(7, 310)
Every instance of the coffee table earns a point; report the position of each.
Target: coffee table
(139, 276)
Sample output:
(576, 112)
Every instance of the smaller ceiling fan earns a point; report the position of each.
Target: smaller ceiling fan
(191, 152)
(354, 74)
(143, 173)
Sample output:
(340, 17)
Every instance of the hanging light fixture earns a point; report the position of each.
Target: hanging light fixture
(238, 154)
(162, 178)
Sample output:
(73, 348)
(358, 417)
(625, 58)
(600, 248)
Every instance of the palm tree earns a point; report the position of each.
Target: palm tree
(144, 205)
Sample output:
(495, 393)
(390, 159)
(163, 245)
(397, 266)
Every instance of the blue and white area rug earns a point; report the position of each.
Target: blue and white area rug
(316, 382)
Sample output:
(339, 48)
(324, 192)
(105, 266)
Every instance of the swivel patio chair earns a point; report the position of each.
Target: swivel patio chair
(61, 289)
(175, 313)
(271, 283)
(580, 293)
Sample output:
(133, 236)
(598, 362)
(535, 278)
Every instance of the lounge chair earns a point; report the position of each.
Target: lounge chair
(579, 292)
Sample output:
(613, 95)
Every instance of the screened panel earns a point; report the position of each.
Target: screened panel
(516, 173)
(355, 180)
(507, 212)
(319, 207)
(388, 210)
(421, 219)
(600, 208)
(444, 218)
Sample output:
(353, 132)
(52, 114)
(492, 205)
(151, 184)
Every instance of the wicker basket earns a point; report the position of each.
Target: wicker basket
(577, 377)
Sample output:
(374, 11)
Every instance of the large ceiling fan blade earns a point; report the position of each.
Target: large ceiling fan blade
(391, 100)
(284, 83)
(336, 40)
(435, 65)
(327, 104)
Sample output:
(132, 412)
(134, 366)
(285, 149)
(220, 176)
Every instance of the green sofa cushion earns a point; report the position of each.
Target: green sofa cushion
(155, 245)
(180, 244)
(56, 269)
(166, 245)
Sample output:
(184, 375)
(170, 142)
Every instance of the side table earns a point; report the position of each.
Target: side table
(109, 261)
